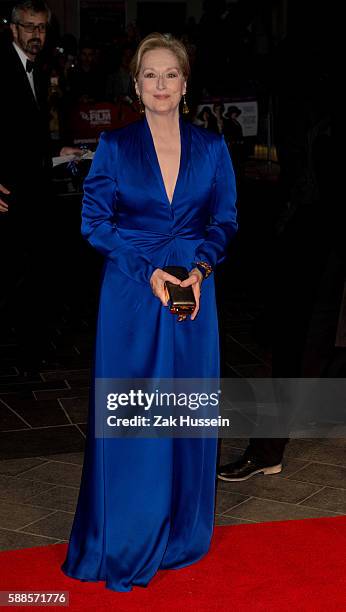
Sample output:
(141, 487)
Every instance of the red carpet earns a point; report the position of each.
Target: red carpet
(294, 566)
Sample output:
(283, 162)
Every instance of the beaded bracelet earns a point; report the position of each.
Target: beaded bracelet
(204, 267)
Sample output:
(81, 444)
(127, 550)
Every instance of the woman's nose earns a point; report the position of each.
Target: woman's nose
(161, 82)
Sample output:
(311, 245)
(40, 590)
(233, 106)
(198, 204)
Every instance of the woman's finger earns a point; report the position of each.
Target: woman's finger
(165, 296)
(197, 293)
(170, 278)
(3, 204)
(161, 293)
(160, 277)
(193, 279)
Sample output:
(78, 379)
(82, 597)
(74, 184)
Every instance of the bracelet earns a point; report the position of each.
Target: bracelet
(204, 267)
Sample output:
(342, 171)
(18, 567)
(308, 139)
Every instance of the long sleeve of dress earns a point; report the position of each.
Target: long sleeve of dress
(223, 219)
(99, 206)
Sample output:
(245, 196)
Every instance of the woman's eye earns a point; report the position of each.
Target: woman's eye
(172, 75)
(149, 75)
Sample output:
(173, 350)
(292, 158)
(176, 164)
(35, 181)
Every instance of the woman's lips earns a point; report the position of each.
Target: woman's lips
(161, 97)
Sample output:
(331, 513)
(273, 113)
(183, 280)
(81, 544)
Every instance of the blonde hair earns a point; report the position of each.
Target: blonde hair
(155, 40)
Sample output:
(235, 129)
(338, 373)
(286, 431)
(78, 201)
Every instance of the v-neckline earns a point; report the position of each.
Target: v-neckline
(156, 164)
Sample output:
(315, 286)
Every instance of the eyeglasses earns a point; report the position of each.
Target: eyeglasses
(31, 27)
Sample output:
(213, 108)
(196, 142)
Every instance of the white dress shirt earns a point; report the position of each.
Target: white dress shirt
(30, 75)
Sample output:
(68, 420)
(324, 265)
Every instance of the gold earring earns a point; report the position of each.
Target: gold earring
(186, 109)
(141, 106)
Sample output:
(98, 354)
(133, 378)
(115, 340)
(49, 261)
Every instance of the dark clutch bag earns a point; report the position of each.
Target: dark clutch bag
(181, 299)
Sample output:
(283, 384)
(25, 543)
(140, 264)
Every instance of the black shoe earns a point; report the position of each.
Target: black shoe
(244, 468)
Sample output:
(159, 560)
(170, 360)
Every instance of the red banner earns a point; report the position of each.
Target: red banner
(87, 121)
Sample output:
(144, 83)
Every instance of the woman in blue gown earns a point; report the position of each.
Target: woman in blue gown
(148, 504)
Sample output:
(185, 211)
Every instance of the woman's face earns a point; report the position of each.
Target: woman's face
(160, 82)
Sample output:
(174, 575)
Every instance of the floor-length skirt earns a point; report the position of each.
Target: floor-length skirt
(145, 503)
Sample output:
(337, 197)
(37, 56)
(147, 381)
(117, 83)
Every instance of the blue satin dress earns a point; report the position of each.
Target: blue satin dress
(148, 504)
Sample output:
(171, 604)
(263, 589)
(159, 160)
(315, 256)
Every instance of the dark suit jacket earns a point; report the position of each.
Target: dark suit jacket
(24, 129)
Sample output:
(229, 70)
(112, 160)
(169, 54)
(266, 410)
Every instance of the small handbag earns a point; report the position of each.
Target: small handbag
(181, 299)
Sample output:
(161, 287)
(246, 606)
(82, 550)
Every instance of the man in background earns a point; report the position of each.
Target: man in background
(26, 204)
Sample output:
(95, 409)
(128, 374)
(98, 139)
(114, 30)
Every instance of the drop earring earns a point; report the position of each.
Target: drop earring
(141, 106)
(186, 109)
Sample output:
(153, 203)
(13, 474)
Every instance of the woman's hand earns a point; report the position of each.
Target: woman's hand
(157, 283)
(71, 151)
(195, 280)
(3, 205)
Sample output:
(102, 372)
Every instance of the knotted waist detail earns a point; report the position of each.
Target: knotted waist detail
(164, 248)
(146, 238)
